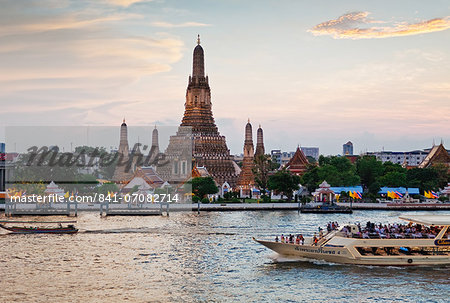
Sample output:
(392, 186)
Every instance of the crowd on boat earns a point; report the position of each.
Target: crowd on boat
(369, 231)
(299, 239)
(392, 231)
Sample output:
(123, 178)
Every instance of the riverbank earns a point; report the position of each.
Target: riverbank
(31, 209)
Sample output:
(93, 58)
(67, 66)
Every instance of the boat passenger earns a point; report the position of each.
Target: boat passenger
(282, 238)
(276, 239)
(315, 240)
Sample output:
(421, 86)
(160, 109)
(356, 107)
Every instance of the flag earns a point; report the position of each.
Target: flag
(426, 194)
(350, 194)
(358, 195)
(434, 195)
(399, 195)
(66, 195)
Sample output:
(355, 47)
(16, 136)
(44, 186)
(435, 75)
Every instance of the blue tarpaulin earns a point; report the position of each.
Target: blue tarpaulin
(338, 190)
(402, 190)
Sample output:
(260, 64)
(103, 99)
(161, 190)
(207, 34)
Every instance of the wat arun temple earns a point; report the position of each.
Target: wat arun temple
(209, 147)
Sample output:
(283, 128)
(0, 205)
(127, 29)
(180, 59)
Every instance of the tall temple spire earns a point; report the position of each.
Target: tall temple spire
(198, 107)
(122, 173)
(198, 67)
(123, 144)
(246, 179)
(155, 143)
(248, 143)
(259, 142)
(209, 147)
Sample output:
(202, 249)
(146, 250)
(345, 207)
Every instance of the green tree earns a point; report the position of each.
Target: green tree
(423, 178)
(337, 171)
(106, 188)
(443, 174)
(203, 186)
(311, 160)
(369, 169)
(86, 183)
(310, 179)
(393, 179)
(284, 182)
(261, 171)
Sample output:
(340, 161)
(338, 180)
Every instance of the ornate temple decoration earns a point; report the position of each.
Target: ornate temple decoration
(209, 148)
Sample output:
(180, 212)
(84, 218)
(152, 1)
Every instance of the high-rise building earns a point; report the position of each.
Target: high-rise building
(347, 148)
(311, 152)
(209, 148)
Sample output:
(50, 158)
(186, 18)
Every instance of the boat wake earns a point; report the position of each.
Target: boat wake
(277, 258)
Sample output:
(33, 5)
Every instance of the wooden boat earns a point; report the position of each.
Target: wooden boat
(69, 229)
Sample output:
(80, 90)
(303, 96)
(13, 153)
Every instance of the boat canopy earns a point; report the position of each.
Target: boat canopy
(430, 220)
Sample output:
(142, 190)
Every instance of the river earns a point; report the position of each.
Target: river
(210, 257)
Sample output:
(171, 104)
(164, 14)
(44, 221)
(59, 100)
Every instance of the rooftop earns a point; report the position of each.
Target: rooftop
(430, 220)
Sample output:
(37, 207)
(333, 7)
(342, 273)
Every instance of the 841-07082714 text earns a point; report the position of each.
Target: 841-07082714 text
(110, 198)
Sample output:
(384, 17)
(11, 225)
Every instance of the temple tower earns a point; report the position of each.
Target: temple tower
(209, 148)
(246, 179)
(259, 142)
(155, 141)
(123, 171)
(123, 145)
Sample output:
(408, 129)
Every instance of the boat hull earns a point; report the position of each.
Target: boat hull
(27, 230)
(343, 255)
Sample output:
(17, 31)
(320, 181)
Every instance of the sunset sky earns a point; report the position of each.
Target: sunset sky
(312, 73)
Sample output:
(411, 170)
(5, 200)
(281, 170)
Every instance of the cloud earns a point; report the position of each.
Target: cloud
(172, 25)
(357, 25)
(69, 21)
(124, 3)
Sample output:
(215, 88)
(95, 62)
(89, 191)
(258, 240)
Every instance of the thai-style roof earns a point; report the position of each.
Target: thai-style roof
(324, 188)
(298, 163)
(199, 171)
(438, 154)
(145, 177)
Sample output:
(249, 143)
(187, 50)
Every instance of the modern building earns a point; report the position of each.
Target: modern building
(411, 158)
(283, 158)
(311, 152)
(347, 149)
(415, 158)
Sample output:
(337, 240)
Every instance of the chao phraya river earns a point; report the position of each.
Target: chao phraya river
(199, 258)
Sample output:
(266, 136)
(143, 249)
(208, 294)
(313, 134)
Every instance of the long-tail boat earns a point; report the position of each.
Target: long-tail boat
(60, 229)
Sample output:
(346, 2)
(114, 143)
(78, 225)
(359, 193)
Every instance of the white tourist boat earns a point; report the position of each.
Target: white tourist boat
(426, 243)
